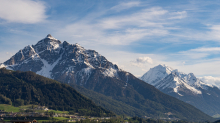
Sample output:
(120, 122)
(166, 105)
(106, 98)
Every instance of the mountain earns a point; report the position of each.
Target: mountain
(30, 88)
(186, 87)
(74, 65)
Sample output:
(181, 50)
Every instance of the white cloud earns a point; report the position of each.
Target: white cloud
(178, 15)
(210, 32)
(151, 17)
(144, 60)
(211, 80)
(199, 68)
(22, 11)
(198, 53)
(206, 49)
(190, 55)
(125, 5)
(214, 33)
(133, 35)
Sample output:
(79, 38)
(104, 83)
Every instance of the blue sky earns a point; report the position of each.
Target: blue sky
(135, 35)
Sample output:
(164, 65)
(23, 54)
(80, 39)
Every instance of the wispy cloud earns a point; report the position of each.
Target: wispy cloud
(198, 53)
(125, 5)
(178, 15)
(22, 11)
(211, 80)
(123, 29)
(144, 18)
(206, 49)
(214, 32)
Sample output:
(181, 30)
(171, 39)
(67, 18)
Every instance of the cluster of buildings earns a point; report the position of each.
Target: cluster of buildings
(19, 121)
(23, 114)
(46, 113)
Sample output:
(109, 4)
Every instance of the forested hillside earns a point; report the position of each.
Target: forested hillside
(20, 88)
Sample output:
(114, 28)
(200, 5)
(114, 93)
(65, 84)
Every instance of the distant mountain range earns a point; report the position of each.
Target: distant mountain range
(186, 87)
(88, 71)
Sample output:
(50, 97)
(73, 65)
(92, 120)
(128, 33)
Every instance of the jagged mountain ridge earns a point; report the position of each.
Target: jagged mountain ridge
(156, 75)
(186, 87)
(74, 65)
(49, 55)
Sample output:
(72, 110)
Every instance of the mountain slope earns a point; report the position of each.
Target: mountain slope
(109, 103)
(185, 87)
(74, 65)
(35, 89)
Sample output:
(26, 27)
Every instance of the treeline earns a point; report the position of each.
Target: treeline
(5, 100)
(23, 88)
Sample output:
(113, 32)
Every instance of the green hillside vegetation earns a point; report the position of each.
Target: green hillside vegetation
(24, 88)
(110, 104)
(141, 99)
(11, 108)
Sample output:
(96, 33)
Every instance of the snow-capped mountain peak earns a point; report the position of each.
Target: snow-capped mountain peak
(164, 77)
(186, 87)
(48, 43)
(154, 75)
(60, 60)
(50, 37)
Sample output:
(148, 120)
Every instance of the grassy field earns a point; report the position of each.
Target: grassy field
(60, 112)
(40, 120)
(60, 118)
(9, 108)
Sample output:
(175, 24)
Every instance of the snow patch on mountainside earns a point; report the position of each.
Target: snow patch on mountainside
(47, 68)
(110, 72)
(88, 64)
(55, 45)
(194, 90)
(2, 66)
(87, 71)
(84, 75)
(174, 82)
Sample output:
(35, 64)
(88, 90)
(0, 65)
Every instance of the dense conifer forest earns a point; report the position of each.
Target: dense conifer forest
(23, 88)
